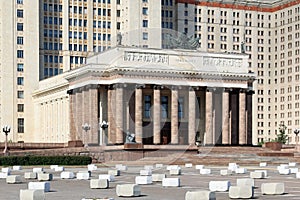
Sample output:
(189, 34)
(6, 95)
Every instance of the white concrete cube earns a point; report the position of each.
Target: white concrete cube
(67, 175)
(284, 171)
(200, 195)
(175, 171)
(14, 179)
(225, 172)
(32, 194)
(99, 183)
(292, 164)
(121, 167)
(37, 169)
(205, 171)
(6, 170)
(17, 168)
(240, 192)
(263, 164)
(241, 171)
(158, 177)
(169, 167)
(282, 166)
(53, 166)
(272, 188)
(83, 175)
(45, 186)
(233, 166)
(263, 171)
(245, 182)
(59, 169)
(159, 165)
(219, 186)
(149, 167)
(45, 177)
(188, 165)
(294, 170)
(145, 172)
(143, 180)
(30, 175)
(199, 166)
(298, 175)
(171, 182)
(128, 190)
(109, 177)
(3, 175)
(92, 167)
(114, 172)
(257, 175)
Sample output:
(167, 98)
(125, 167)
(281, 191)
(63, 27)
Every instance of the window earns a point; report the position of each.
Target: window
(20, 53)
(145, 36)
(20, 13)
(147, 106)
(180, 108)
(145, 23)
(145, 11)
(19, 1)
(20, 94)
(19, 27)
(20, 125)
(20, 67)
(164, 107)
(20, 107)
(19, 40)
(20, 80)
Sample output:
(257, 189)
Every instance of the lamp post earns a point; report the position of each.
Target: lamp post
(297, 131)
(6, 130)
(103, 126)
(86, 127)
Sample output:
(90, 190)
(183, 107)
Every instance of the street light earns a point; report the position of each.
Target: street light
(103, 126)
(6, 130)
(86, 127)
(297, 131)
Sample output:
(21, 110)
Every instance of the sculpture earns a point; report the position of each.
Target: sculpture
(130, 137)
(181, 42)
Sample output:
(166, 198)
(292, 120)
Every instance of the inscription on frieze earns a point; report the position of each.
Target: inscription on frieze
(146, 57)
(222, 62)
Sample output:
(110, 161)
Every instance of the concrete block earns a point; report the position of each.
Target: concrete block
(200, 195)
(199, 166)
(298, 175)
(92, 167)
(175, 171)
(99, 183)
(3, 175)
(292, 164)
(67, 175)
(219, 186)
(109, 177)
(45, 186)
(32, 195)
(263, 171)
(263, 164)
(37, 169)
(45, 177)
(128, 190)
(245, 182)
(233, 166)
(59, 169)
(284, 171)
(14, 179)
(158, 177)
(225, 172)
(17, 168)
(145, 172)
(171, 182)
(257, 175)
(240, 192)
(294, 170)
(241, 171)
(30, 175)
(205, 171)
(158, 165)
(188, 165)
(143, 180)
(121, 167)
(53, 166)
(272, 188)
(83, 175)
(282, 166)
(149, 167)
(169, 167)
(114, 172)
(6, 170)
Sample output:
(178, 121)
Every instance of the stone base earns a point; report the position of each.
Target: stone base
(133, 146)
(75, 143)
(275, 146)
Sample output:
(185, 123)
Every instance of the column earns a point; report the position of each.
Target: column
(209, 117)
(225, 118)
(110, 115)
(119, 114)
(242, 118)
(72, 104)
(139, 114)
(174, 115)
(192, 116)
(94, 134)
(156, 115)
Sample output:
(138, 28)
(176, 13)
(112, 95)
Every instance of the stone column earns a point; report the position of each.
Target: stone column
(139, 114)
(94, 121)
(174, 116)
(242, 118)
(110, 115)
(209, 117)
(156, 115)
(72, 111)
(192, 116)
(119, 115)
(225, 118)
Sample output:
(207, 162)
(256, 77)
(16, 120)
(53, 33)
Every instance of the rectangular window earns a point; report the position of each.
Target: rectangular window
(19, 40)
(19, 26)
(19, 1)
(145, 36)
(180, 108)
(20, 13)
(20, 67)
(145, 23)
(20, 125)
(20, 80)
(164, 107)
(20, 53)
(147, 106)
(20, 107)
(20, 94)
(145, 11)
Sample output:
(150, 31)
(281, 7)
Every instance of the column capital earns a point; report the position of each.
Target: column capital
(158, 87)
(140, 86)
(242, 90)
(211, 89)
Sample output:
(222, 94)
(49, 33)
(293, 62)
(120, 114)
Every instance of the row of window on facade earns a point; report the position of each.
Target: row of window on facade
(52, 71)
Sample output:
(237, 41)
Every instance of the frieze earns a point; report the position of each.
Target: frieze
(222, 62)
(146, 57)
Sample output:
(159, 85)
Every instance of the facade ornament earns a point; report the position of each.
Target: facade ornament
(119, 39)
(182, 42)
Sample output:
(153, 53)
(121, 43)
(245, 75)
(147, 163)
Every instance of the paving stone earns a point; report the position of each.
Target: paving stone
(219, 186)
(272, 188)
(32, 194)
(200, 195)
(128, 190)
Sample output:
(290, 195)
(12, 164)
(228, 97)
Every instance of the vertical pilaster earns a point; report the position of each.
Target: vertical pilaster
(242, 118)
(110, 115)
(156, 115)
(119, 114)
(192, 116)
(225, 117)
(138, 114)
(209, 117)
(174, 115)
(94, 134)
(72, 104)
